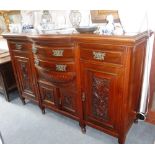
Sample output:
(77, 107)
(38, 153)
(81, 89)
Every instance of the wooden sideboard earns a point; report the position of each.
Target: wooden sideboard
(94, 79)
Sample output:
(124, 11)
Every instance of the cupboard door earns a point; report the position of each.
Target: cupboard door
(68, 99)
(100, 94)
(25, 76)
(49, 95)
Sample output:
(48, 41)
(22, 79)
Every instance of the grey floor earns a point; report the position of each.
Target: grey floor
(21, 124)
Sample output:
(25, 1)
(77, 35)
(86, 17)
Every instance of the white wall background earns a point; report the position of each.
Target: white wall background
(132, 20)
(129, 6)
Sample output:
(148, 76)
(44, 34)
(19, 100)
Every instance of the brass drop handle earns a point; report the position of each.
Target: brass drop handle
(34, 49)
(18, 46)
(61, 68)
(36, 61)
(57, 52)
(99, 55)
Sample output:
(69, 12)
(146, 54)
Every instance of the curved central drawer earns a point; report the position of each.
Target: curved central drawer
(56, 71)
(55, 77)
(57, 66)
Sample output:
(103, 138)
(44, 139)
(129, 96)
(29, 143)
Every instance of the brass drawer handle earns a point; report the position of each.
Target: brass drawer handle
(61, 68)
(34, 49)
(18, 46)
(36, 61)
(58, 53)
(99, 55)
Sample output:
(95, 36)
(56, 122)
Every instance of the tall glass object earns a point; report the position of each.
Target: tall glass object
(46, 19)
(75, 18)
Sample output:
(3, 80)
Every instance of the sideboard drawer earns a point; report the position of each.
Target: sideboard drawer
(102, 53)
(51, 76)
(19, 46)
(55, 66)
(21, 53)
(61, 53)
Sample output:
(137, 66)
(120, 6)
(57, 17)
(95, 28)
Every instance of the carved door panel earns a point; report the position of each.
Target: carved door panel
(49, 95)
(68, 99)
(101, 95)
(24, 74)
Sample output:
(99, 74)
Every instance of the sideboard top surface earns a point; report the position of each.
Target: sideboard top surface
(128, 39)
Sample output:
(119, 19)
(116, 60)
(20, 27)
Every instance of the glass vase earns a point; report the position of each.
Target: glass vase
(75, 18)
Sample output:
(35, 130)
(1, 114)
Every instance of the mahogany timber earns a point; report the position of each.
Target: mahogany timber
(92, 78)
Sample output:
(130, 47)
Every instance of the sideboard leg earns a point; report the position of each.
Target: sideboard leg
(121, 139)
(83, 127)
(43, 110)
(23, 100)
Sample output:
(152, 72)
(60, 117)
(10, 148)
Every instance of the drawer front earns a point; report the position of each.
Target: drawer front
(21, 53)
(102, 53)
(55, 77)
(55, 66)
(20, 46)
(61, 53)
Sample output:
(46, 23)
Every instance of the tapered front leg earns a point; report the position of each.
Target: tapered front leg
(83, 127)
(121, 139)
(23, 100)
(43, 110)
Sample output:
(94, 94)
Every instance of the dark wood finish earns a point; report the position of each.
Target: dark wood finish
(151, 117)
(57, 72)
(7, 79)
(91, 78)
(100, 83)
(112, 54)
(24, 73)
(20, 51)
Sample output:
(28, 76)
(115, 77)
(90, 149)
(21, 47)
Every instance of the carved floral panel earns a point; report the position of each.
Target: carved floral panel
(48, 95)
(100, 97)
(26, 80)
(68, 101)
